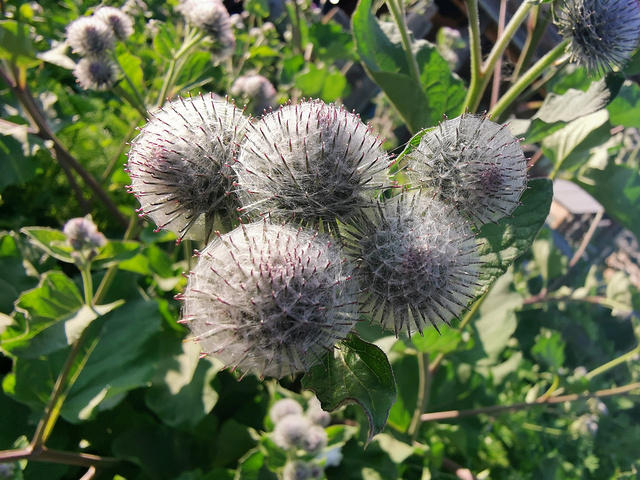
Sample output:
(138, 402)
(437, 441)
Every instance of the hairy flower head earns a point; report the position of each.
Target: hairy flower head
(82, 233)
(256, 91)
(270, 299)
(179, 165)
(90, 36)
(602, 34)
(300, 470)
(95, 73)
(473, 163)
(212, 17)
(418, 262)
(284, 407)
(314, 161)
(120, 23)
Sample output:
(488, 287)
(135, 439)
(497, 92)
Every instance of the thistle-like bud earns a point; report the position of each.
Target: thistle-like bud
(418, 262)
(212, 17)
(473, 163)
(96, 73)
(314, 161)
(602, 33)
(284, 407)
(89, 36)
(179, 165)
(120, 23)
(84, 237)
(270, 299)
(256, 91)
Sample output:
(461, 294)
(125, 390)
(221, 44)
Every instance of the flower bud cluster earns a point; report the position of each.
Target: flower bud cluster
(84, 237)
(300, 435)
(212, 17)
(256, 91)
(93, 38)
(273, 295)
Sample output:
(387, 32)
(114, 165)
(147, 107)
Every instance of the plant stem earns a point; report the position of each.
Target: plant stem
(192, 38)
(396, 8)
(497, 409)
(613, 363)
(527, 79)
(483, 74)
(424, 388)
(43, 454)
(87, 283)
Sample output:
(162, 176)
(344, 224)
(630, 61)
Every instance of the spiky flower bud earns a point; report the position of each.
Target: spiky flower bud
(120, 23)
(314, 161)
(84, 237)
(178, 165)
(316, 414)
(89, 36)
(270, 299)
(95, 73)
(212, 17)
(602, 34)
(473, 163)
(284, 407)
(256, 91)
(418, 262)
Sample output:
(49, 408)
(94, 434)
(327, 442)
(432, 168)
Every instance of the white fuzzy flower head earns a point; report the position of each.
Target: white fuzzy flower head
(89, 36)
(291, 431)
(256, 91)
(120, 23)
(96, 73)
(270, 299)
(82, 234)
(417, 261)
(297, 470)
(312, 161)
(473, 163)
(212, 17)
(179, 169)
(315, 439)
(316, 414)
(602, 33)
(284, 407)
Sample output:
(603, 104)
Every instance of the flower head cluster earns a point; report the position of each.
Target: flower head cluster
(473, 163)
(179, 165)
(256, 90)
(270, 299)
(212, 17)
(417, 261)
(316, 162)
(602, 34)
(300, 434)
(84, 237)
(94, 38)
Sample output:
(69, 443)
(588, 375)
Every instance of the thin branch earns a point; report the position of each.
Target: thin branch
(499, 409)
(586, 239)
(43, 454)
(497, 69)
(459, 471)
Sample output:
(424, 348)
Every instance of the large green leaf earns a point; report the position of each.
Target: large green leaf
(421, 104)
(51, 241)
(624, 109)
(501, 244)
(16, 168)
(16, 44)
(14, 279)
(357, 372)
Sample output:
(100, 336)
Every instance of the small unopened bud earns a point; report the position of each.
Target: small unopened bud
(256, 91)
(291, 431)
(284, 407)
(212, 17)
(82, 234)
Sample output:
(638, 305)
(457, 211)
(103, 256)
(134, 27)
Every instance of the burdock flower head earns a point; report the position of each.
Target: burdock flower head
(270, 299)
(417, 261)
(90, 36)
(473, 163)
(178, 165)
(96, 73)
(120, 23)
(212, 17)
(312, 161)
(85, 239)
(602, 34)
(256, 90)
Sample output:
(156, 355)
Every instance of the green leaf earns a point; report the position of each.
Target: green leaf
(433, 342)
(357, 372)
(115, 252)
(252, 466)
(421, 104)
(323, 82)
(182, 394)
(331, 42)
(14, 279)
(501, 244)
(574, 104)
(164, 40)
(132, 67)
(55, 299)
(51, 241)
(569, 147)
(624, 109)
(549, 349)
(617, 188)
(276, 456)
(16, 45)
(15, 168)
(260, 8)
